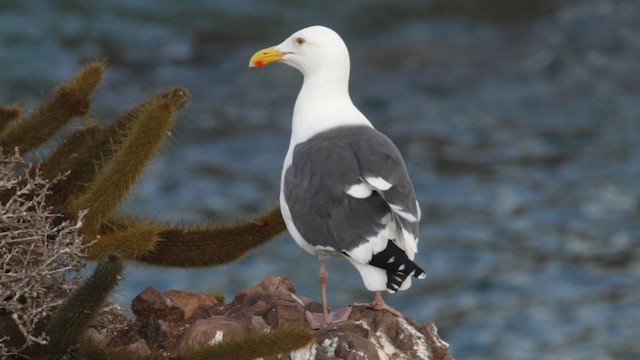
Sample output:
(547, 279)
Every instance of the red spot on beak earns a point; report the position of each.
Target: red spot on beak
(260, 63)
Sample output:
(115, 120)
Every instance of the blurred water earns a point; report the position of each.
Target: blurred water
(519, 121)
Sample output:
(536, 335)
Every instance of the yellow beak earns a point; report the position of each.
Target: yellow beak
(266, 56)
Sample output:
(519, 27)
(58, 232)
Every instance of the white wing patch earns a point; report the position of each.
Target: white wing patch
(400, 211)
(359, 191)
(378, 183)
(408, 243)
(365, 188)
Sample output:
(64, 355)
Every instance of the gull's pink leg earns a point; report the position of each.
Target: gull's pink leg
(379, 304)
(327, 317)
(323, 289)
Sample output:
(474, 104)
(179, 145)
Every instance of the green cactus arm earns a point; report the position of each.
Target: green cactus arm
(80, 308)
(274, 342)
(138, 146)
(131, 240)
(92, 351)
(62, 158)
(90, 159)
(177, 97)
(212, 245)
(8, 113)
(70, 100)
(97, 152)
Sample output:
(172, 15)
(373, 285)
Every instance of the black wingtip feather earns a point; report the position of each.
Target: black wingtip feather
(397, 264)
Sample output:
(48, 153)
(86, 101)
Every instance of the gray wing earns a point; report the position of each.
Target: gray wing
(348, 191)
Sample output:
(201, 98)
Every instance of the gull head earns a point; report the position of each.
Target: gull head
(316, 50)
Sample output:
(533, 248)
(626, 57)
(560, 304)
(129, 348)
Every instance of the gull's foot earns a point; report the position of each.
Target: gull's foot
(379, 304)
(382, 306)
(318, 320)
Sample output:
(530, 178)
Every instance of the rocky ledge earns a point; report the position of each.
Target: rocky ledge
(176, 322)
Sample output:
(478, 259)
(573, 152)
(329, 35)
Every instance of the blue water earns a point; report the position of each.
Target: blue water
(519, 124)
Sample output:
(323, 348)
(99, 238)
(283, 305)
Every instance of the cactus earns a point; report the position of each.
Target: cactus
(212, 245)
(138, 146)
(91, 157)
(186, 246)
(131, 240)
(101, 164)
(63, 159)
(253, 346)
(81, 307)
(8, 113)
(60, 160)
(70, 100)
(96, 352)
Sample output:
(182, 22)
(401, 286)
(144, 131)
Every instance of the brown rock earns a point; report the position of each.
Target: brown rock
(153, 303)
(256, 323)
(209, 331)
(202, 312)
(264, 292)
(277, 285)
(285, 312)
(370, 334)
(177, 322)
(138, 348)
(190, 301)
(95, 337)
(346, 346)
(439, 348)
(273, 299)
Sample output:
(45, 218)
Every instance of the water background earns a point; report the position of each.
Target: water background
(519, 121)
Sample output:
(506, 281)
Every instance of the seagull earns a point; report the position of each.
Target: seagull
(345, 190)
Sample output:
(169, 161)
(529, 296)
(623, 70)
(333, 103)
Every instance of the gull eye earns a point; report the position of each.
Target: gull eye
(299, 41)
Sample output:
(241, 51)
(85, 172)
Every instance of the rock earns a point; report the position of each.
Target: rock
(153, 303)
(210, 331)
(273, 299)
(346, 346)
(191, 302)
(176, 322)
(202, 312)
(371, 334)
(439, 347)
(139, 347)
(95, 337)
